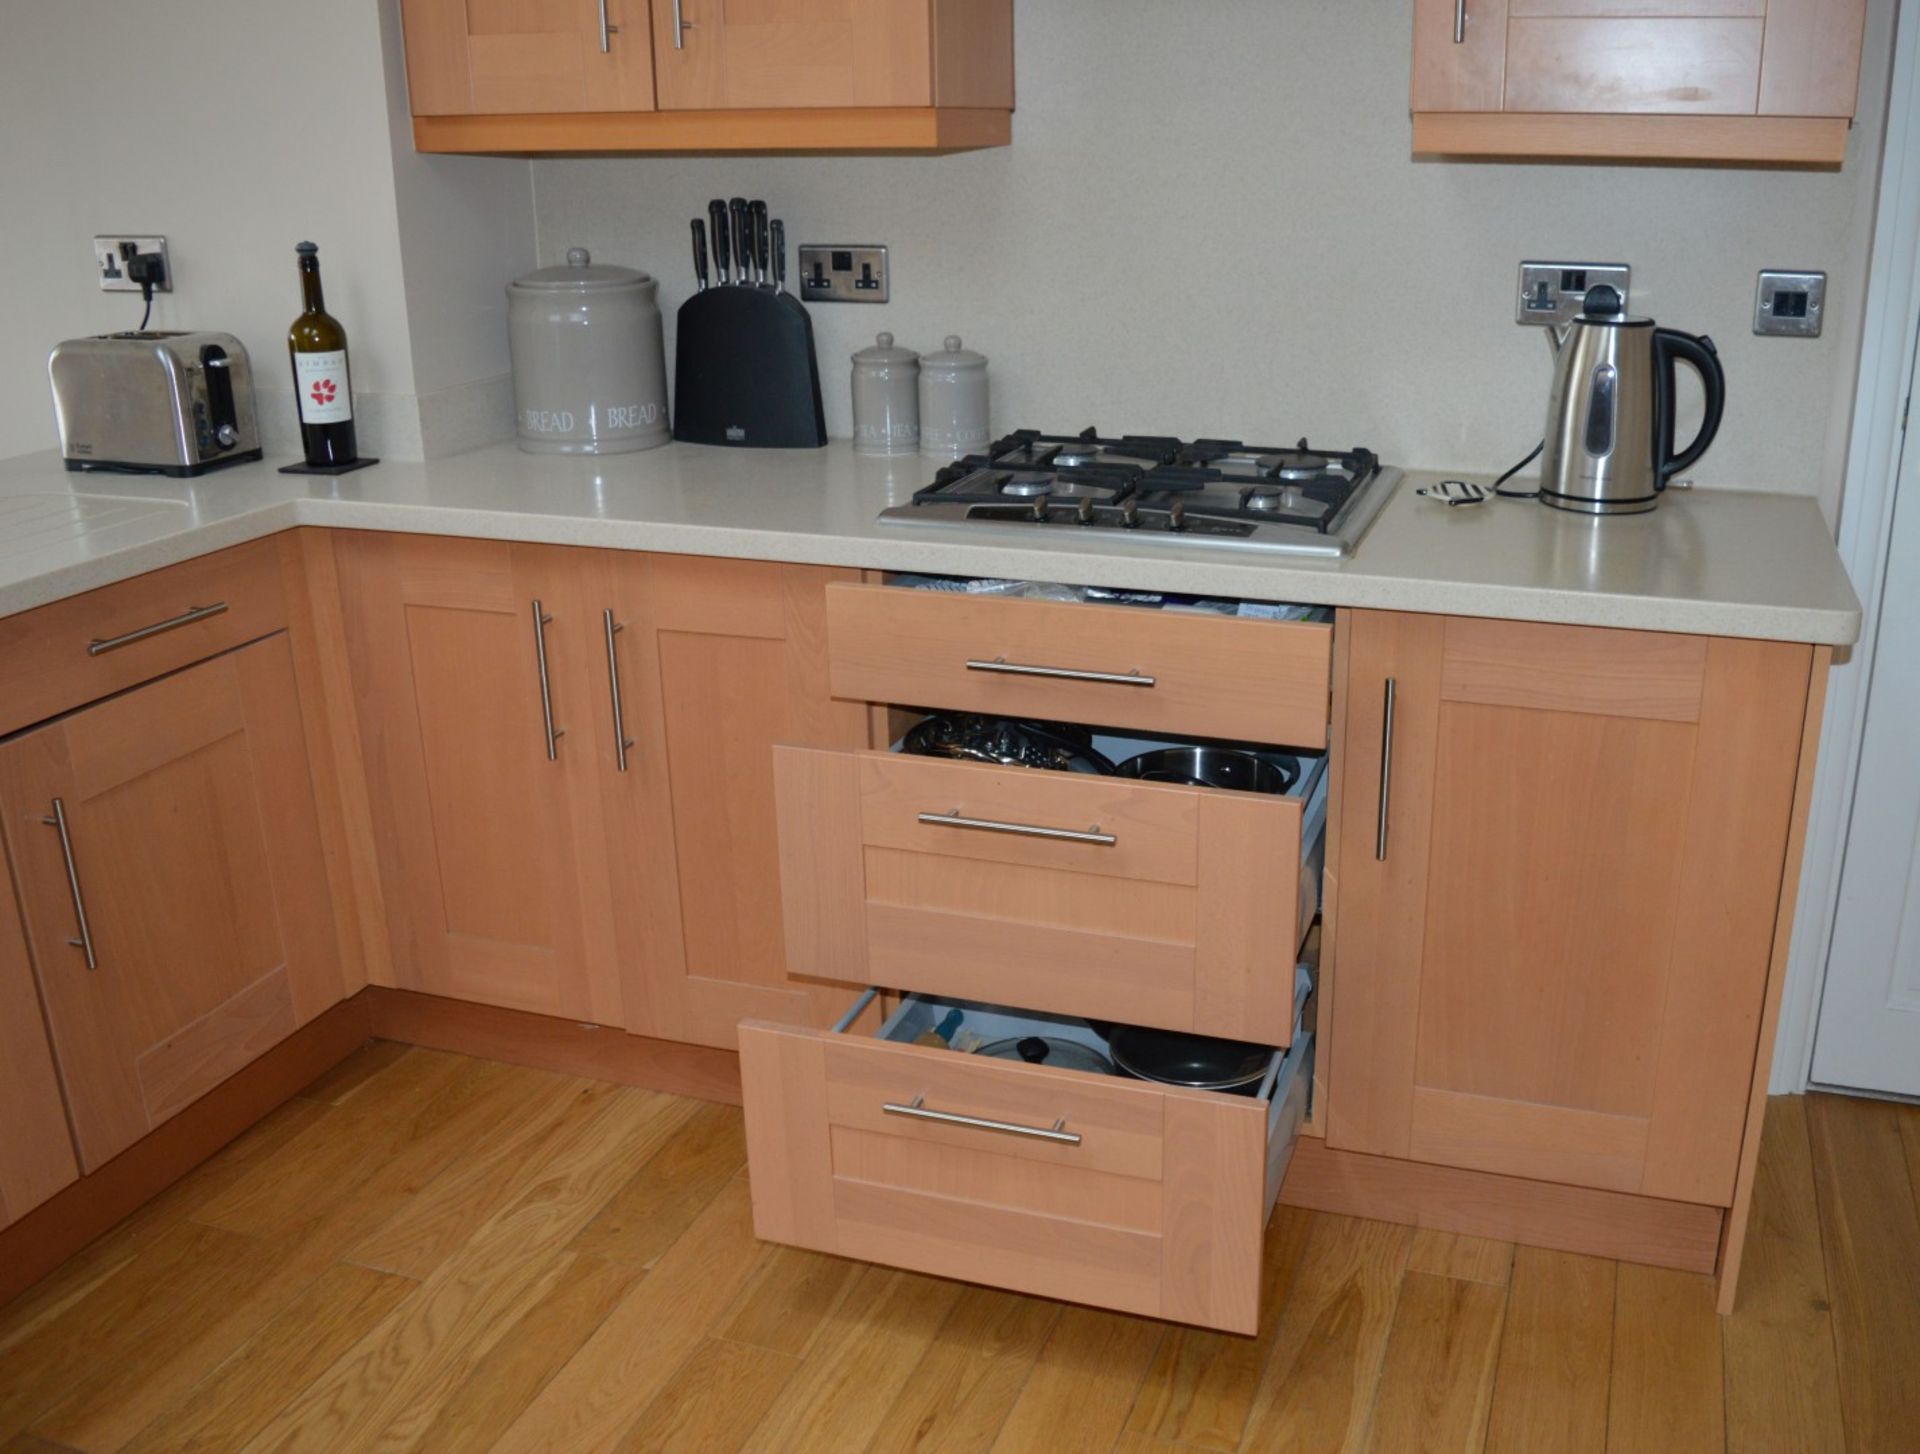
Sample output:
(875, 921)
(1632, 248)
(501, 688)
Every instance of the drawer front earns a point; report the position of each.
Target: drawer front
(1168, 906)
(62, 656)
(1114, 666)
(1156, 1210)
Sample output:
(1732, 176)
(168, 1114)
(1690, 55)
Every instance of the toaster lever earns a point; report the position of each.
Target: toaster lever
(222, 419)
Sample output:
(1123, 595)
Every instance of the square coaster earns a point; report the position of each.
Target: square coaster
(329, 469)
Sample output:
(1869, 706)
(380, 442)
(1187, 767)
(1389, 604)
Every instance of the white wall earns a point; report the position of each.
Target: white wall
(238, 128)
(1209, 222)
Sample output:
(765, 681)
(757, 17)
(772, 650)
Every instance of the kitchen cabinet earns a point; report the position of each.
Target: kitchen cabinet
(1561, 855)
(36, 1153)
(1689, 80)
(536, 76)
(475, 668)
(173, 887)
(719, 660)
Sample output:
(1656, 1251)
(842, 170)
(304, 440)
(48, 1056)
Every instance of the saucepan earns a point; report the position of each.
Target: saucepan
(1173, 1057)
(1214, 767)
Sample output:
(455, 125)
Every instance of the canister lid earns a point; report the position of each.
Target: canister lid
(580, 273)
(953, 356)
(883, 354)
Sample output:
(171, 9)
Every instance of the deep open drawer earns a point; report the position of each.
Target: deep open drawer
(1120, 666)
(1140, 902)
(1120, 1193)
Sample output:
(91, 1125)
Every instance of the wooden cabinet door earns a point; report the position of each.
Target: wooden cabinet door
(720, 661)
(748, 54)
(487, 57)
(177, 824)
(36, 1149)
(1459, 56)
(492, 862)
(1552, 947)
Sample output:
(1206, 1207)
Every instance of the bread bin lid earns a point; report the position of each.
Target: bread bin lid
(581, 274)
(883, 353)
(953, 356)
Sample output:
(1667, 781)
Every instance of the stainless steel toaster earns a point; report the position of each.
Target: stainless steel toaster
(154, 403)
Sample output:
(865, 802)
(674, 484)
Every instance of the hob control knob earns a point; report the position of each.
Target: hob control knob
(1177, 516)
(1130, 515)
(1085, 513)
(1040, 510)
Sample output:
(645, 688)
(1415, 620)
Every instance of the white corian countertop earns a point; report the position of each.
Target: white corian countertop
(1720, 562)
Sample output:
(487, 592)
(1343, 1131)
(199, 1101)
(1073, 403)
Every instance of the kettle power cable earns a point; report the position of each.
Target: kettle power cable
(1465, 492)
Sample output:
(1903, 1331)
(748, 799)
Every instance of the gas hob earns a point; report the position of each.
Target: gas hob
(1295, 499)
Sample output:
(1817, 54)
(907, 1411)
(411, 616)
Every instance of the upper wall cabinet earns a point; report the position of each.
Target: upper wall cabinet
(541, 76)
(1658, 80)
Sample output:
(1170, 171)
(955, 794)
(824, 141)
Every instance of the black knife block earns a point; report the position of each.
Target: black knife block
(744, 371)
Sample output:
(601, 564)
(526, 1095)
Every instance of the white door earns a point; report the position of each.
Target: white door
(1869, 1031)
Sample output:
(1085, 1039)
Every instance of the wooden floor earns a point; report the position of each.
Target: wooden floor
(429, 1252)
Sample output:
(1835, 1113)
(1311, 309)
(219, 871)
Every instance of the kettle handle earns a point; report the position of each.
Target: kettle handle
(1670, 344)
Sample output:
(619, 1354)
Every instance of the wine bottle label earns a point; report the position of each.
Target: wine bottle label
(322, 381)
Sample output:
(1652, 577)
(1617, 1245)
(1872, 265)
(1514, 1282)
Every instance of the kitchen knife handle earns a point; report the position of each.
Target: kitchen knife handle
(742, 239)
(700, 252)
(722, 252)
(779, 254)
(757, 211)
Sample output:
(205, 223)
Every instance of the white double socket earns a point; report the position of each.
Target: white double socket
(110, 254)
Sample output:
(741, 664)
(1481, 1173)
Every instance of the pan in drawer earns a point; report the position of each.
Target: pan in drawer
(1120, 666)
(1145, 1198)
(1139, 902)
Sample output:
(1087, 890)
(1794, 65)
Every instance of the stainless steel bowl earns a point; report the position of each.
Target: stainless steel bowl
(1214, 767)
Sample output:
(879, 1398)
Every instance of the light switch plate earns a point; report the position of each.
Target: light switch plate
(843, 272)
(110, 254)
(1553, 292)
(1790, 304)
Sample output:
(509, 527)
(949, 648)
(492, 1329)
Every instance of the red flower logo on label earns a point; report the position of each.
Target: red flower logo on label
(323, 391)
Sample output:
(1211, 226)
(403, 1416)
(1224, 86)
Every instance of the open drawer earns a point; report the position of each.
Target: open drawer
(1060, 1183)
(1146, 903)
(1151, 671)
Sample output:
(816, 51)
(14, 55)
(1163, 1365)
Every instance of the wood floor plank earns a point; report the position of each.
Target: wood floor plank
(960, 1392)
(1317, 1391)
(788, 1298)
(593, 1401)
(650, 1212)
(714, 1402)
(233, 1403)
(1455, 1254)
(1201, 1387)
(1666, 1393)
(1436, 1384)
(1870, 1236)
(1783, 1384)
(1079, 1394)
(537, 1346)
(25, 1443)
(1556, 1351)
(386, 1391)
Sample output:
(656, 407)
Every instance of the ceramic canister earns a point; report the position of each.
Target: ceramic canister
(953, 401)
(589, 367)
(886, 399)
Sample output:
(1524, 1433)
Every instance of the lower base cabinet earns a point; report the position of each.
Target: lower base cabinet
(36, 1149)
(172, 883)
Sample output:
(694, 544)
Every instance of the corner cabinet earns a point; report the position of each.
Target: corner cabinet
(510, 76)
(1740, 81)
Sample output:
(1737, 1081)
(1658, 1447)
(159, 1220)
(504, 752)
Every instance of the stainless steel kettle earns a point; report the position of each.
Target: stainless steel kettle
(1609, 443)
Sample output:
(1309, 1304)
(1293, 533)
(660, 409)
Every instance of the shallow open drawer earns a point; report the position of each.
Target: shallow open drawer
(1141, 902)
(1060, 1183)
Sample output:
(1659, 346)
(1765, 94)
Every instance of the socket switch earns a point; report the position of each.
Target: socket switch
(843, 272)
(111, 254)
(1790, 304)
(1554, 292)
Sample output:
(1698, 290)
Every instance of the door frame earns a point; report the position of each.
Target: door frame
(1884, 386)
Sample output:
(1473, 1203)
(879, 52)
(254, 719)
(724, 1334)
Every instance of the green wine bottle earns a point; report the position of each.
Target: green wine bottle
(322, 391)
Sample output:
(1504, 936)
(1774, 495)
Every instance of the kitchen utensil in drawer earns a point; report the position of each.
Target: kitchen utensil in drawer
(973, 738)
(1049, 1050)
(1214, 767)
(1202, 1062)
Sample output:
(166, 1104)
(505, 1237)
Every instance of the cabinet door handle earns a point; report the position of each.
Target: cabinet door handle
(621, 742)
(1459, 22)
(681, 25)
(1061, 673)
(605, 29)
(920, 1111)
(58, 820)
(172, 623)
(1023, 830)
(541, 620)
(1386, 772)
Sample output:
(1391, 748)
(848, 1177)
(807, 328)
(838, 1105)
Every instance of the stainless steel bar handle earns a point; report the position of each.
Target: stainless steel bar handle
(1386, 773)
(1022, 830)
(172, 623)
(58, 820)
(541, 620)
(605, 29)
(920, 1111)
(1459, 22)
(1061, 673)
(681, 25)
(621, 742)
